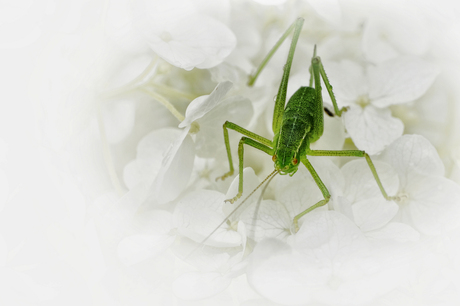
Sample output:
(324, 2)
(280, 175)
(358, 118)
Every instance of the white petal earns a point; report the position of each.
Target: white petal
(399, 232)
(209, 141)
(400, 80)
(329, 234)
(204, 104)
(348, 81)
(183, 37)
(272, 221)
(329, 173)
(199, 213)
(150, 151)
(372, 129)
(278, 273)
(328, 249)
(138, 171)
(361, 184)
(373, 46)
(250, 182)
(298, 192)
(434, 204)
(373, 213)
(333, 136)
(329, 10)
(153, 238)
(199, 285)
(121, 211)
(176, 169)
(342, 205)
(413, 154)
(385, 38)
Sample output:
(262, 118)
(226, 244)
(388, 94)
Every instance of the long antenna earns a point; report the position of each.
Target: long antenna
(256, 212)
(271, 175)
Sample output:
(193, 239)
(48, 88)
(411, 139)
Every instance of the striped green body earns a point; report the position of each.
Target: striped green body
(302, 124)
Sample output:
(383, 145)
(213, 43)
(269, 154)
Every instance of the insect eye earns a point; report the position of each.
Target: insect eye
(274, 158)
(294, 161)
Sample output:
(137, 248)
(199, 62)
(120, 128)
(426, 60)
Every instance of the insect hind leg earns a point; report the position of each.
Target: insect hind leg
(321, 186)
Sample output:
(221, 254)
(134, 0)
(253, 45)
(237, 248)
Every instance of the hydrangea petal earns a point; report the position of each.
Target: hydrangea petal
(204, 104)
(199, 213)
(383, 38)
(250, 182)
(210, 140)
(185, 39)
(371, 128)
(149, 157)
(373, 213)
(328, 9)
(434, 204)
(320, 262)
(176, 169)
(279, 273)
(400, 80)
(396, 231)
(272, 220)
(120, 214)
(361, 184)
(413, 154)
(298, 192)
(153, 239)
(348, 80)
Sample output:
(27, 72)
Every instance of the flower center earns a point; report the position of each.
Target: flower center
(195, 128)
(363, 101)
(401, 199)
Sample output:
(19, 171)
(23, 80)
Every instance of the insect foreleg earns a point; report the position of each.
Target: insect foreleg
(230, 125)
(357, 153)
(252, 143)
(317, 69)
(321, 186)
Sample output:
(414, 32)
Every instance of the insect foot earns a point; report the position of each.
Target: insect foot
(223, 177)
(233, 200)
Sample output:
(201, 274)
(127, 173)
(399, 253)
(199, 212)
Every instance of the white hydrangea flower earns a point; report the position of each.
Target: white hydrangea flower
(369, 92)
(153, 237)
(427, 200)
(328, 261)
(183, 34)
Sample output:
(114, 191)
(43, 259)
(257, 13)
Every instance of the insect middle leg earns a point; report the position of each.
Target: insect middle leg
(321, 186)
(253, 140)
(357, 153)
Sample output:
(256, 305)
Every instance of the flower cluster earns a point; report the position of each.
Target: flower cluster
(159, 122)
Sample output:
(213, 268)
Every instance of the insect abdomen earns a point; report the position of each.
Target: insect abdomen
(302, 118)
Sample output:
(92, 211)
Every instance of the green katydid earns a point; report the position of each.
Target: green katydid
(296, 125)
